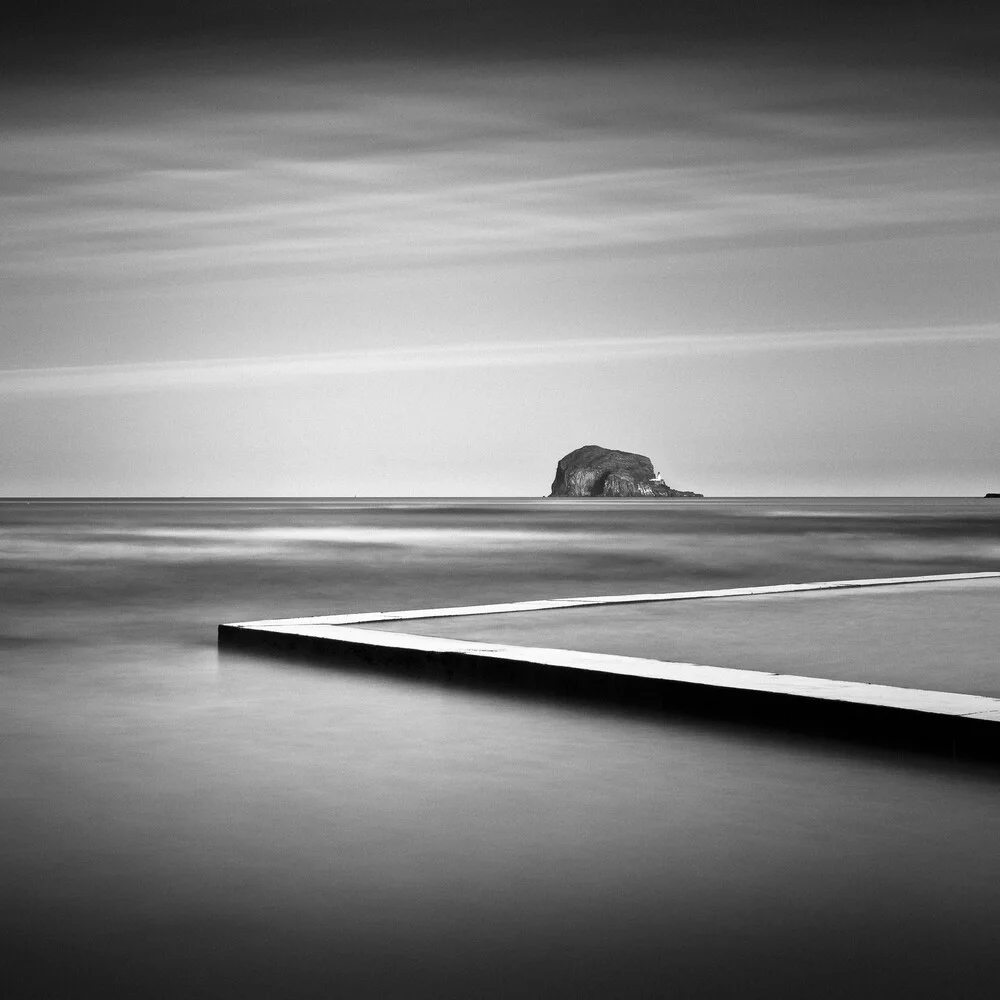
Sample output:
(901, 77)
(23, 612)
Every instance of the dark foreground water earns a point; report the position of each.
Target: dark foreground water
(176, 824)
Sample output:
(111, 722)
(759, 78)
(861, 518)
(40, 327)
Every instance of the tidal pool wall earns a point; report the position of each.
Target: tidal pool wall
(946, 722)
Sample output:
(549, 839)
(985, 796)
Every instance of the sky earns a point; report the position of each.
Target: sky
(427, 247)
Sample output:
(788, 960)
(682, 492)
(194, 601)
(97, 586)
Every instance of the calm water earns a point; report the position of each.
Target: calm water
(936, 636)
(178, 824)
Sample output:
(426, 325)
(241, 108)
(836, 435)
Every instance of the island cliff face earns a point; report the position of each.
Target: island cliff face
(592, 471)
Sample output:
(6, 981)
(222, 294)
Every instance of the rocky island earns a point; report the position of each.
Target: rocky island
(592, 471)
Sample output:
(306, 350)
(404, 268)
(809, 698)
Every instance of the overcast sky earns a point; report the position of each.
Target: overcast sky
(426, 247)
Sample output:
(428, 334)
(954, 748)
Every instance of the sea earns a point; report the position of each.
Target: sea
(182, 823)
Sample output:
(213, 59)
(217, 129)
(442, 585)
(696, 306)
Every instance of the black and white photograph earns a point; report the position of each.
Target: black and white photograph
(499, 499)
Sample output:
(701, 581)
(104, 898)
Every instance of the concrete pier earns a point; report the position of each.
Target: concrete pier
(940, 721)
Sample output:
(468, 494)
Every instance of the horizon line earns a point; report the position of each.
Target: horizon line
(53, 498)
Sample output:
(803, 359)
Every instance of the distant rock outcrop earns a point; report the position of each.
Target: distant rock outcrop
(592, 471)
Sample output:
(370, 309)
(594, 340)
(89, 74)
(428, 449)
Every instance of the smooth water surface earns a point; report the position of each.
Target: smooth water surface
(180, 824)
(936, 636)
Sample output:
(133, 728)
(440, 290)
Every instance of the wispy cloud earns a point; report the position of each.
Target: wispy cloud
(216, 372)
(354, 171)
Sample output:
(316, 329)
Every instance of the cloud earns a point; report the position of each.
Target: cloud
(219, 372)
(361, 169)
